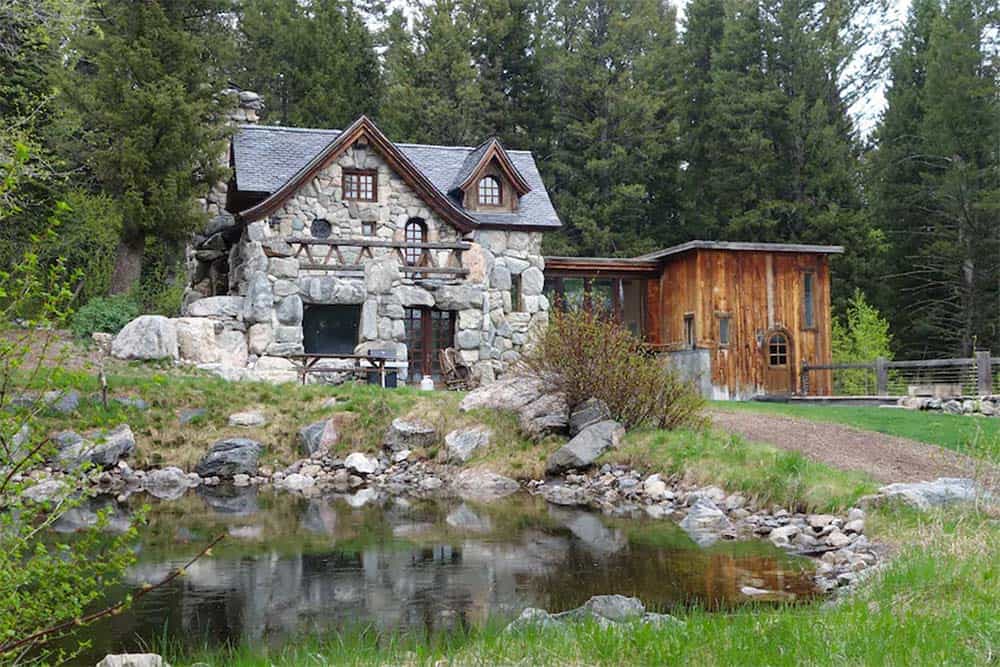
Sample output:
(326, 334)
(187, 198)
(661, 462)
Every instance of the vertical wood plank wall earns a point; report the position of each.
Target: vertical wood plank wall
(712, 282)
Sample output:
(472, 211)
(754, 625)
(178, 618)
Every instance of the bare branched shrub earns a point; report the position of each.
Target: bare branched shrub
(584, 354)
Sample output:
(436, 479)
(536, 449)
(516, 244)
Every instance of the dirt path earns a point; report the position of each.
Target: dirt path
(887, 458)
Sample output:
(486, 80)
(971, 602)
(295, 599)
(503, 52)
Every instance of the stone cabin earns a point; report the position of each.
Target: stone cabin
(342, 241)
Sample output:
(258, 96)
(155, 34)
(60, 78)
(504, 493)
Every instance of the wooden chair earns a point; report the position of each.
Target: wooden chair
(456, 374)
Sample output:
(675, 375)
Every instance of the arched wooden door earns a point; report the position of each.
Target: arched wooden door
(779, 373)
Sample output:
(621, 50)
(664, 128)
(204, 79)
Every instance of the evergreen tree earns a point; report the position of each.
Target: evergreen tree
(145, 95)
(313, 61)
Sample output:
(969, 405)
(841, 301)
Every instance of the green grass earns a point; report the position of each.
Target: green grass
(977, 436)
(937, 603)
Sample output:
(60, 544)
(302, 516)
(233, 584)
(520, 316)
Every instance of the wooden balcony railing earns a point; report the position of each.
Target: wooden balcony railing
(424, 259)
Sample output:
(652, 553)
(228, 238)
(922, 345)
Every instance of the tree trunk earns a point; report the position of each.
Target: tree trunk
(128, 264)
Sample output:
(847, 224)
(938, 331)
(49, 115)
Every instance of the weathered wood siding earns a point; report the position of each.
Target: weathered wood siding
(761, 292)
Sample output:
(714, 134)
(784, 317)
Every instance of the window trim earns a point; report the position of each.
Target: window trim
(787, 353)
(516, 301)
(689, 332)
(360, 173)
(410, 254)
(809, 300)
(728, 318)
(499, 191)
(368, 228)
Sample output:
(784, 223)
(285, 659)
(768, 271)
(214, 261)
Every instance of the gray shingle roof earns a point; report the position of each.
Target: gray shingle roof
(266, 157)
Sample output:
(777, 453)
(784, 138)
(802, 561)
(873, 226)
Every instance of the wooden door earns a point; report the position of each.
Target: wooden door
(778, 368)
(428, 331)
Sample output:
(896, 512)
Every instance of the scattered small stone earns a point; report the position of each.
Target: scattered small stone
(361, 463)
(248, 419)
(856, 526)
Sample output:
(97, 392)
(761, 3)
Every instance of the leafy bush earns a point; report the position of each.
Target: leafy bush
(862, 336)
(87, 241)
(583, 354)
(105, 313)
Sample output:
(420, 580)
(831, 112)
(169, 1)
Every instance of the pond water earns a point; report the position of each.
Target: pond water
(292, 565)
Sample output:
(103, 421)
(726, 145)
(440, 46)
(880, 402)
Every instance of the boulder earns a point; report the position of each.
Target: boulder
(224, 307)
(782, 536)
(232, 349)
(615, 608)
(229, 457)
(259, 301)
(547, 414)
(938, 493)
(410, 296)
(361, 463)
(47, 491)
(133, 660)
(656, 489)
(102, 449)
(589, 412)
(509, 393)
(63, 402)
(458, 297)
(461, 443)
(147, 337)
(409, 434)
(331, 290)
(317, 438)
(297, 482)
(532, 617)
(586, 447)
(483, 485)
(249, 418)
(704, 522)
(167, 483)
(196, 340)
(381, 273)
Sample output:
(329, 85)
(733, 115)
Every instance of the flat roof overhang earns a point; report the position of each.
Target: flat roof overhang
(601, 267)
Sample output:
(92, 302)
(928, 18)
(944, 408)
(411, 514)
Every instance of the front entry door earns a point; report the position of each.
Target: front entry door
(428, 331)
(778, 368)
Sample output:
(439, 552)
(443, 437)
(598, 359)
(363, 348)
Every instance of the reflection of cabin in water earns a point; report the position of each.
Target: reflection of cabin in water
(740, 317)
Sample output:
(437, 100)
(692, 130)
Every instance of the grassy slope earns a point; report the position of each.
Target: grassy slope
(960, 433)
(938, 603)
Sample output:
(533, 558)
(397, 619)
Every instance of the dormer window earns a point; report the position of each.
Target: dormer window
(489, 191)
(360, 185)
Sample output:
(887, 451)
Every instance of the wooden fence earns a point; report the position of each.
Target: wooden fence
(422, 259)
(973, 376)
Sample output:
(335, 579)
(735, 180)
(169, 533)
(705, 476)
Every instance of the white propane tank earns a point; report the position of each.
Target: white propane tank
(427, 384)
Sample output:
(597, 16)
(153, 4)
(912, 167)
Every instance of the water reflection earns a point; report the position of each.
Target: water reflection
(292, 565)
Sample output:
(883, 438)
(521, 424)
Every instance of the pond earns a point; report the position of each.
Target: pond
(292, 565)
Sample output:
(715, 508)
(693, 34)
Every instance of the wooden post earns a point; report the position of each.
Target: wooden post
(984, 373)
(881, 377)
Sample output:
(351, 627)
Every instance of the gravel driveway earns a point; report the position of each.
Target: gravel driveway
(887, 458)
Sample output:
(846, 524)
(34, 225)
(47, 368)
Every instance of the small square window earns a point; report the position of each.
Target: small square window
(360, 185)
(724, 330)
(368, 228)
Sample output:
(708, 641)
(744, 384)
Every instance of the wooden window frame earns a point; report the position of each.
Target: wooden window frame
(499, 191)
(808, 300)
(689, 332)
(516, 302)
(728, 319)
(429, 319)
(413, 255)
(348, 174)
(771, 354)
(368, 228)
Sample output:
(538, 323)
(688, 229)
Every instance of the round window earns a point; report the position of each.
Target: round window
(320, 228)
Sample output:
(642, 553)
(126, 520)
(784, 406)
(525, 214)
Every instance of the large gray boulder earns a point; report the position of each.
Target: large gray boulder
(483, 485)
(704, 522)
(147, 337)
(167, 483)
(589, 412)
(409, 434)
(230, 307)
(549, 413)
(938, 493)
(317, 438)
(102, 449)
(231, 456)
(586, 447)
(509, 393)
(461, 443)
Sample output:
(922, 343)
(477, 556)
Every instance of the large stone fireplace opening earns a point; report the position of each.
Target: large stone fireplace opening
(330, 329)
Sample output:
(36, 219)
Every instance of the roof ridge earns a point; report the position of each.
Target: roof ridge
(289, 128)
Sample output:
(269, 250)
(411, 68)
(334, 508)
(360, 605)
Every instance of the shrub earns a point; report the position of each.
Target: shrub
(105, 313)
(862, 336)
(584, 354)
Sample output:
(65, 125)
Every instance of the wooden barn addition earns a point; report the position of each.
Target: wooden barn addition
(740, 319)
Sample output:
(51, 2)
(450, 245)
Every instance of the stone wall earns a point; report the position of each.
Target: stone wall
(272, 290)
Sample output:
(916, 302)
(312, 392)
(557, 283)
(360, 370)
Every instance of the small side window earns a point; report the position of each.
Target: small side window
(368, 228)
(689, 339)
(809, 300)
(724, 320)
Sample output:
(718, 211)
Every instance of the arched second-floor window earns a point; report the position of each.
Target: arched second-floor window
(416, 232)
(489, 191)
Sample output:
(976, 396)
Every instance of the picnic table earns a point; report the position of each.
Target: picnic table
(306, 363)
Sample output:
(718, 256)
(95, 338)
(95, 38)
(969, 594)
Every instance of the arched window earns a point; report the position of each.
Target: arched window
(416, 232)
(489, 191)
(777, 350)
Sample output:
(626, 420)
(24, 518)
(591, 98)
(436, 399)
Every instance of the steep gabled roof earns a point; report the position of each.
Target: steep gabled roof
(481, 156)
(266, 159)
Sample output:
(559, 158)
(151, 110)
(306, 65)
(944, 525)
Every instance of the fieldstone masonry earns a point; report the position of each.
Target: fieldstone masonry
(258, 322)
